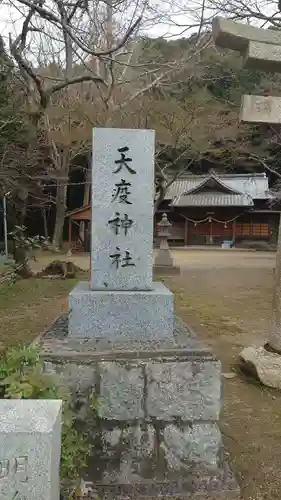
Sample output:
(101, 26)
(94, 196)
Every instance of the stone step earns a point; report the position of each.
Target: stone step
(155, 448)
(195, 483)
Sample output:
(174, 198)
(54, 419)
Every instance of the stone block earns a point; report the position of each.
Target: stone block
(124, 190)
(137, 441)
(121, 391)
(198, 443)
(263, 57)
(260, 109)
(189, 390)
(236, 36)
(132, 315)
(77, 378)
(30, 440)
(131, 448)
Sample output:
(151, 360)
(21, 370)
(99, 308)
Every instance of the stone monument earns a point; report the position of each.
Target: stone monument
(156, 388)
(30, 438)
(163, 264)
(260, 109)
(261, 50)
(122, 300)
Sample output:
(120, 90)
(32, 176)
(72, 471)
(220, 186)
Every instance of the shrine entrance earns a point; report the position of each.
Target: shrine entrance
(209, 232)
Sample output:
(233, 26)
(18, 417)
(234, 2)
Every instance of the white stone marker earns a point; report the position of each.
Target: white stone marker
(260, 109)
(122, 209)
(122, 302)
(30, 440)
(263, 57)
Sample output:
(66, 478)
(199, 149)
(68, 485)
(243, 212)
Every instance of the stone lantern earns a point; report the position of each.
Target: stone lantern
(163, 260)
(164, 256)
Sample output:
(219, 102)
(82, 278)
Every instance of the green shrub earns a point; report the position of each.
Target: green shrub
(21, 377)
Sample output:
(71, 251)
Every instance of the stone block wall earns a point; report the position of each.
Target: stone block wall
(152, 412)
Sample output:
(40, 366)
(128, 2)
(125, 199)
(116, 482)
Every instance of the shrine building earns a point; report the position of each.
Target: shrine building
(205, 210)
(212, 209)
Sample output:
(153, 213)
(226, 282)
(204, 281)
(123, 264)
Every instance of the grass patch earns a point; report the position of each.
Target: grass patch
(29, 306)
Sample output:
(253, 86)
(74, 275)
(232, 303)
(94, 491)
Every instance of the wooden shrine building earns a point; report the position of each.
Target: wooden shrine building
(211, 209)
(79, 229)
(205, 210)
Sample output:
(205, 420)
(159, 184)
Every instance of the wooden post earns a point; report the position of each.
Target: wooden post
(275, 332)
(251, 228)
(211, 232)
(233, 232)
(69, 234)
(46, 235)
(185, 232)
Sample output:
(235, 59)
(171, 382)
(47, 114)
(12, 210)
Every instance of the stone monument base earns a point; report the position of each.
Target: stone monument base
(98, 314)
(154, 426)
(164, 258)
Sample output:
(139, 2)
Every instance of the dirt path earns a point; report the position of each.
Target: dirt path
(229, 307)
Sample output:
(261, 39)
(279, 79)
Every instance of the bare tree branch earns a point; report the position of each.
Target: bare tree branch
(50, 16)
(74, 80)
(265, 165)
(24, 66)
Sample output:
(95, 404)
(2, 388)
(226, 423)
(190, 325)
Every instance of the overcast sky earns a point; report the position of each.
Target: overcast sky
(173, 18)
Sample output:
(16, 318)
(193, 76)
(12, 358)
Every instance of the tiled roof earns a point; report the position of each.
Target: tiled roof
(213, 199)
(256, 185)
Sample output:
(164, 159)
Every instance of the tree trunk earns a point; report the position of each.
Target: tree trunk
(21, 261)
(86, 201)
(60, 213)
(64, 161)
(46, 233)
(21, 212)
(22, 215)
(275, 332)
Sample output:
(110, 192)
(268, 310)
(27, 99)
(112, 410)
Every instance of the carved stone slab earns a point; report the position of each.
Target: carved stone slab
(260, 109)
